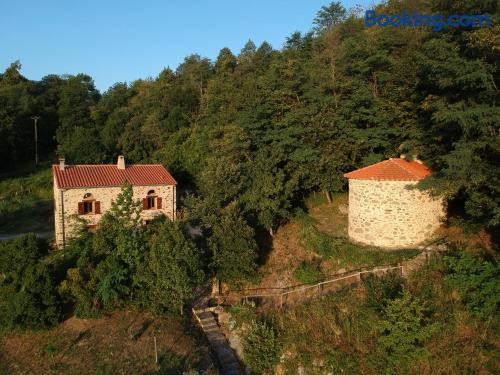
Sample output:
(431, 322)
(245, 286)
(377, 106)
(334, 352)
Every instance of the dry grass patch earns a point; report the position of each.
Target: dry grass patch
(121, 343)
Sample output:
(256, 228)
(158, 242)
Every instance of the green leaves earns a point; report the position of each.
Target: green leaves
(173, 267)
(233, 247)
(404, 330)
(28, 294)
(477, 281)
(261, 347)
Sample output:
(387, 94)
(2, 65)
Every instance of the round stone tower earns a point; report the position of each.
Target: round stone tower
(385, 211)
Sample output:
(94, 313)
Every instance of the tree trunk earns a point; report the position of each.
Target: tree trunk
(328, 196)
(271, 232)
(374, 85)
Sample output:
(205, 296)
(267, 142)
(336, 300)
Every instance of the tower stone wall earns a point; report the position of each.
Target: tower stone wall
(387, 214)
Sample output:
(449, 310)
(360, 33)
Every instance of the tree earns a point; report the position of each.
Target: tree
(477, 282)
(173, 268)
(404, 329)
(233, 247)
(28, 293)
(329, 16)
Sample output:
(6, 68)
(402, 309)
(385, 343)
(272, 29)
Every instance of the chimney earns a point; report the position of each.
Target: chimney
(402, 156)
(121, 162)
(61, 164)
(415, 158)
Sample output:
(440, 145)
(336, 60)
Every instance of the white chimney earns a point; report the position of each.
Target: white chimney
(415, 158)
(121, 162)
(402, 156)
(61, 164)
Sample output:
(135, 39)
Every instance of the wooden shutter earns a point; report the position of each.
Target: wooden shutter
(97, 207)
(145, 203)
(80, 208)
(158, 202)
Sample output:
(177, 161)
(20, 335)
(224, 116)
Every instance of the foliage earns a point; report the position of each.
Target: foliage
(308, 273)
(261, 347)
(404, 329)
(28, 293)
(233, 245)
(26, 201)
(477, 281)
(242, 312)
(173, 267)
(264, 128)
(381, 290)
(342, 250)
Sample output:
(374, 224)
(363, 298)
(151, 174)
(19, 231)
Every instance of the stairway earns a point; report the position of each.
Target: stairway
(226, 358)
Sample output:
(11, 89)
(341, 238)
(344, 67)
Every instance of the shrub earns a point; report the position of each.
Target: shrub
(261, 347)
(382, 289)
(28, 294)
(308, 273)
(477, 281)
(404, 330)
(242, 312)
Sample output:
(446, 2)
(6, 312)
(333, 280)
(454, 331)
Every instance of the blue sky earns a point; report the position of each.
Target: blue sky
(117, 41)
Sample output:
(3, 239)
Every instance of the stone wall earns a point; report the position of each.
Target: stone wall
(67, 200)
(388, 215)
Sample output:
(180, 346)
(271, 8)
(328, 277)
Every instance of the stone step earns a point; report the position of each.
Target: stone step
(205, 315)
(225, 356)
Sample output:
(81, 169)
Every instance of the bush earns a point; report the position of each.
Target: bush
(242, 312)
(404, 330)
(261, 347)
(477, 281)
(28, 294)
(308, 273)
(380, 290)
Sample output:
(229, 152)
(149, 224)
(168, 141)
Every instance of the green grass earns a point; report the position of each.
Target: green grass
(26, 202)
(341, 251)
(308, 273)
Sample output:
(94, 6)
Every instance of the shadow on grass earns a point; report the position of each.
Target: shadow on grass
(35, 217)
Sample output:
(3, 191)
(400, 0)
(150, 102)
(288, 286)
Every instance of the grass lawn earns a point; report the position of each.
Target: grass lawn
(26, 201)
(121, 343)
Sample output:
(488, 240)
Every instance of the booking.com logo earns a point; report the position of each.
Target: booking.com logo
(435, 21)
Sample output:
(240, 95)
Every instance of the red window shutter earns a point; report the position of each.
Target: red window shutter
(97, 207)
(80, 208)
(158, 202)
(145, 203)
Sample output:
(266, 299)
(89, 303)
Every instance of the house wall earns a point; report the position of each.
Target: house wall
(388, 215)
(105, 195)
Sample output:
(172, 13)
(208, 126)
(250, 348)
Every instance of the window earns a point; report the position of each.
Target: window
(89, 205)
(152, 201)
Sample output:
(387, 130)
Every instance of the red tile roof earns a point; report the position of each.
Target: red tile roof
(392, 169)
(79, 176)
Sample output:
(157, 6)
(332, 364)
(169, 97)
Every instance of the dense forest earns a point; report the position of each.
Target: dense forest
(263, 128)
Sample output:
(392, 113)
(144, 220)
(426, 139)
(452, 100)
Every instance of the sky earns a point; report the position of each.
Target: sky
(120, 41)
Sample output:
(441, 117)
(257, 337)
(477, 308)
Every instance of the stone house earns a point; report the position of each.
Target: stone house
(383, 209)
(88, 190)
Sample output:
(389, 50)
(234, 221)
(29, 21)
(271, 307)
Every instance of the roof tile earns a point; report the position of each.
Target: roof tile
(392, 169)
(78, 176)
